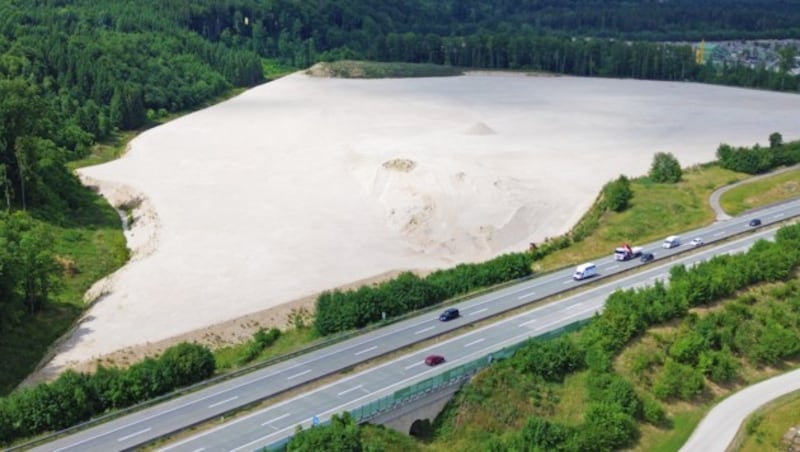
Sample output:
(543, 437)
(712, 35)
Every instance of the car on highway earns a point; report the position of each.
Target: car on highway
(755, 222)
(647, 257)
(449, 314)
(434, 360)
(697, 241)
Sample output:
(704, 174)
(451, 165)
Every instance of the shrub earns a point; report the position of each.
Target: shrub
(678, 381)
(606, 428)
(665, 168)
(551, 360)
(618, 193)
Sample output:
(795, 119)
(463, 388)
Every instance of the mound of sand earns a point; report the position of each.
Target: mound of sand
(305, 184)
(479, 128)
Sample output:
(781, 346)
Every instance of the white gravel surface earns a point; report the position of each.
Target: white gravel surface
(304, 184)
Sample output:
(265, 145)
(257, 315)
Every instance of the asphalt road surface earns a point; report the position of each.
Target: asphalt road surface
(177, 414)
(274, 423)
(717, 430)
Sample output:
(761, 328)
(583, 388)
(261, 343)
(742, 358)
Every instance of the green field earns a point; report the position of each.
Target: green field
(764, 430)
(657, 210)
(762, 192)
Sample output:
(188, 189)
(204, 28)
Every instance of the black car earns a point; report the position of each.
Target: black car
(755, 222)
(449, 314)
(647, 257)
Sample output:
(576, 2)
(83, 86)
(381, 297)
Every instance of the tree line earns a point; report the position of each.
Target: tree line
(339, 310)
(77, 397)
(758, 159)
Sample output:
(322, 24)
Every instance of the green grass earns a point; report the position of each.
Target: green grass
(275, 70)
(290, 340)
(669, 440)
(106, 151)
(24, 345)
(371, 69)
(572, 399)
(761, 192)
(657, 210)
(388, 439)
(765, 429)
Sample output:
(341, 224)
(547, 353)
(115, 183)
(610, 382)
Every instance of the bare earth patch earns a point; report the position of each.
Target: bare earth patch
(251, 207)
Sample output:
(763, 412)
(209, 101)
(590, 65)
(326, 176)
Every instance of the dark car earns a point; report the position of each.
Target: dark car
(755, 222)
(434, 360)
(647, 257)
(449, 314)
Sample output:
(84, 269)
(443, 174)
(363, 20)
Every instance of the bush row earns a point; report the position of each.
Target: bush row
(628, 313)
(710, 346)
(261, 340)
(757, 159)
(343, 310)
(77, 397)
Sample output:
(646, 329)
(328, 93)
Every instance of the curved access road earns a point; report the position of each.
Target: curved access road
(718, 429)
(714, 198)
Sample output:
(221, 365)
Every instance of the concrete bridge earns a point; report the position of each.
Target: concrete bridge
(414, 416)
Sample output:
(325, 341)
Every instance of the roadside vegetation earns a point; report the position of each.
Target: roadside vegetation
(779, 187)
(372, 69)
(641, 374)
(766, 428)
(77, 397)
(92, 72)
(640, 218)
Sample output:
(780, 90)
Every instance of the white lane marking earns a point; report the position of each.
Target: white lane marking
(223, 402)
(199, 450)
(413, 365)
(366, 350)
(612, 267)
(561, 320)
(778, 215)
(575, 306)
(127, 437)
(526, 295)
(422, 330)
(396, 383)
(290, 377)
(567, 281)
(478, 341)
(283, 416)
(354, 388)
(478, 311)
(719, 233)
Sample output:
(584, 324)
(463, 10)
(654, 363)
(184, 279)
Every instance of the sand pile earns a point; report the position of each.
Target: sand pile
(305, 184)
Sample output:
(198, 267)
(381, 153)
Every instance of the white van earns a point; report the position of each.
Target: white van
(584, 271)
(671, 242)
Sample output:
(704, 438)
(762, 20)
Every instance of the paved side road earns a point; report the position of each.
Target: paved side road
(717, 430)
(714, 198)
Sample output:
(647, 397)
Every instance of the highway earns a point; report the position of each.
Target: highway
(355, 390)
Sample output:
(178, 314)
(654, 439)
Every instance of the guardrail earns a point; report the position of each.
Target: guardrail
(316, 346)
(322, 343)
(443, 380)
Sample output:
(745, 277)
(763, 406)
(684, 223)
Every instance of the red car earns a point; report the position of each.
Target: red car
(434, 360)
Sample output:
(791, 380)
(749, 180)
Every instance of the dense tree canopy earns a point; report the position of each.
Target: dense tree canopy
(665, 168)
